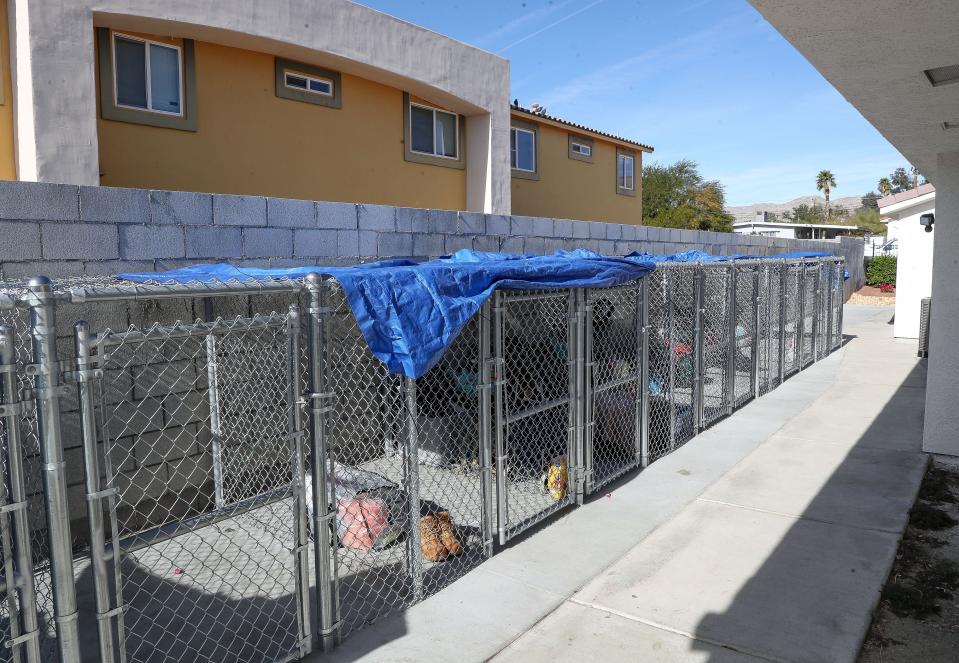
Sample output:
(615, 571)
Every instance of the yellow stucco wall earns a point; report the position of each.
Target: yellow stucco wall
(250, 141)
(8, 164)
(571, 189)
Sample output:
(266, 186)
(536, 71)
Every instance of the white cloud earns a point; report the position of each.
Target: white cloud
(529, 18)
(549, 26)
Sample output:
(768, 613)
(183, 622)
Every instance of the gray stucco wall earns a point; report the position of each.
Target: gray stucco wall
(67, 230)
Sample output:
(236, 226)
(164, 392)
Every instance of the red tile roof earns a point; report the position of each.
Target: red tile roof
(581, 127)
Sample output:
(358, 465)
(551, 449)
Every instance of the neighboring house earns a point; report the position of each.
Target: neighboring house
(321, 100)
(566, 170)
(790, 230)
(900, 212)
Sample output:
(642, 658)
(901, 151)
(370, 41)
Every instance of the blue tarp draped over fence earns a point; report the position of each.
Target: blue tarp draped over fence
(409, 312)
(701, 256)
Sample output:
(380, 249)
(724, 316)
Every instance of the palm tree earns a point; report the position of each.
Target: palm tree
(885, 186)
(825, 180)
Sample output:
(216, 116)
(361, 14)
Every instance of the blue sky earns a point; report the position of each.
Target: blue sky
(707, 80)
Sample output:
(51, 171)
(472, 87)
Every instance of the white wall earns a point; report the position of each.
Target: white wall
(941, 429)
(55, 95)
(913, 273)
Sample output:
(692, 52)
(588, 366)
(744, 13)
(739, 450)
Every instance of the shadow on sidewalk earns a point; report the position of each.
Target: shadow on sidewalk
(803, 603)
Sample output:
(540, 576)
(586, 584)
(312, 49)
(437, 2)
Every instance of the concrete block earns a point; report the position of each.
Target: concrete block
(543, 226)
(111, 267)
(412, 219)
(376, 217)
(553, 244)
(497, 224)
(614, 231)
(535, 245)
(315, 242)
(65, 241)
(455, 243)
(145, 242)
(607, 246)
(512, 245)
(597, 230)
(290, 213)
(182, 208)
(347, 243)
(581, 229)
(107, 204)
(521, 225)
(213, 242)
(639, 233)
(189, 471)
(239, 210)
(429, 244)
(137, 418)
(367, 243)
(485, 243)
(170, 444)
(442, 221)
(144, 483)
(267, 242)
(562, 228)
(689, 236)
(471, 223)
(394, 245)
(53, 269)
(19, 241)
(39, 201)
(341, 216)
(186, 408)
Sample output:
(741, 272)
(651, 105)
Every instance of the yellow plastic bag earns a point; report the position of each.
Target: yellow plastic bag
(556, 478)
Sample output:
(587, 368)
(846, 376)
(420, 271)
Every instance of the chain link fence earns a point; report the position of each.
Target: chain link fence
(226, 472)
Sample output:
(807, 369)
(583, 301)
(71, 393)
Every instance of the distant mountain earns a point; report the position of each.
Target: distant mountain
(748, 212)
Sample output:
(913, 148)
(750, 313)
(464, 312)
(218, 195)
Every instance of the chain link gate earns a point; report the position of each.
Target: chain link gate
(409, 480)
(194, 448)
(835, 318)
(613, 432)
(19, 618)
(717, 304)
(535, 342)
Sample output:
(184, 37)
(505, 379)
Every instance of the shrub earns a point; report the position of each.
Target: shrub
(881, 269)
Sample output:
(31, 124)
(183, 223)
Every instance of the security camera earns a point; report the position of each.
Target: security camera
(926, 221)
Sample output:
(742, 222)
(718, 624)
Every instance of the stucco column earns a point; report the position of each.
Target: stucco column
(488, 178)
(941, 431)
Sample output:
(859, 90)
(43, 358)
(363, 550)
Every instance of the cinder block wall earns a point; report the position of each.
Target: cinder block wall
(66, 230)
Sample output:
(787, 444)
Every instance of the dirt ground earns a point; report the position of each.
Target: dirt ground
(870, 296)
(918, 615)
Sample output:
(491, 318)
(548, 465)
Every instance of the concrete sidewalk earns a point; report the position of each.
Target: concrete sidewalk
(767, 537)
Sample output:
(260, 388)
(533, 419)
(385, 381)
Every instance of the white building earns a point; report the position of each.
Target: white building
(900, 212)
(760, 226)
(898, 64)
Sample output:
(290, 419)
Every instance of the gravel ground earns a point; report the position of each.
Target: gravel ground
(918, 616)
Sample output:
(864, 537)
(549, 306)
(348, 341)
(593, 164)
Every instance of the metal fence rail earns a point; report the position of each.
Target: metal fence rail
(226, 472)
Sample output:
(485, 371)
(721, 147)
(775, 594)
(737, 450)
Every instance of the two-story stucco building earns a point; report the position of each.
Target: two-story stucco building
(325, 100)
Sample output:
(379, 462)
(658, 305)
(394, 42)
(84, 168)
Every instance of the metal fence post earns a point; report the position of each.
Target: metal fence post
(671, 353)
(733, 352)
(411, 470)
(800, 351)
(783, 283)
(216, 434)
(25, 632)
(816, 312)
(301, 547)
(643, 423)
(327, 599)
(842, 298)
(768, 269)
(697, 395)
(96, 492)
(499, 419)
(582, 393)
(488, 373)
(754, 355)
(830, 278)
(47, 391)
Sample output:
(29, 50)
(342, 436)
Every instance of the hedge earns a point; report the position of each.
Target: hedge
(881, 269)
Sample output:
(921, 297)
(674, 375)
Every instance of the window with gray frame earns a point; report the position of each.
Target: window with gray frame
(146, 81)
(308, 83)
(524, 149)
(580, 148)
(147, 74)
(433, 135)
(625, 172)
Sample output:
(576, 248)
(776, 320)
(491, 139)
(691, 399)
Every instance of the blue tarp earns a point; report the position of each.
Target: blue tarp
(409, 312)
(702, 256)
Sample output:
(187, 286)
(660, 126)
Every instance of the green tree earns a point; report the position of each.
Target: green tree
(825, 181)
(867, 220)
(678, 196)
(885, 186)
(900, 180)
(804, 213)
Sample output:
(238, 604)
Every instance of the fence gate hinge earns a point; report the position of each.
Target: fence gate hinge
(17, 408)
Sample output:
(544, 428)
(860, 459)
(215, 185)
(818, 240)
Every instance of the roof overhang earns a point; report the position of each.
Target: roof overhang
(902, 205)
(875, 52)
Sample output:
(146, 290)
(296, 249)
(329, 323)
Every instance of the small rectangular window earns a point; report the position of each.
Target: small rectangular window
(148, 75)
(312, 84)
(624, 172)
(434, 132)
(582, 149)
(523, 149)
